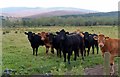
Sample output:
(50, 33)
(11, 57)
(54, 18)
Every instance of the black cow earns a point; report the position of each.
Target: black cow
(69, 43)
(95, 42)
(55, 41)
(90, 42)
(35, 41)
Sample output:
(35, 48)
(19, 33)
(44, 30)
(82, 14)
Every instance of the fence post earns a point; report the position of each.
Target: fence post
(107, 63)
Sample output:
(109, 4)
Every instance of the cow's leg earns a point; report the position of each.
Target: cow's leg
(33, 51)
(97, 48)
(64, 56)
(36, 50)
(88, 51)
(93, 49)
(81, 51)
(111, 64)
(69, 54)
(52, 50)
(84, 52)
(60, 52)
(57, 52)
(47, 49)
(75, 54)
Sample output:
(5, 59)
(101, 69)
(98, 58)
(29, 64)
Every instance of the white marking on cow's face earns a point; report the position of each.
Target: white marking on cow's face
(43, 35)
(95, 37)
(42, 38)
(101, 44)
(101, 40)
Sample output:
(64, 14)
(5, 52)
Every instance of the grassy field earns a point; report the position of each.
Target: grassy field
(17, 52)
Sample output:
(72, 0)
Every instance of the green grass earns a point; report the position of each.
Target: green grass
(17, 52)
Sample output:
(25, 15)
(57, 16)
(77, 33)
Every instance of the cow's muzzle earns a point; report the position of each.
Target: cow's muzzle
(101, 44)
(43, 39)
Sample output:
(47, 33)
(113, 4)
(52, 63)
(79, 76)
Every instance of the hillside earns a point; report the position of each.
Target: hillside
(38, 11)
(99, 14)
(56, 13)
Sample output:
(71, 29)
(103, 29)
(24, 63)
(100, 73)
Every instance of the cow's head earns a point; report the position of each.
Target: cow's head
(43, 35)
(81, 34)
(30, 35)
(101, 39)
(51, 37)
(86, 36)
(62, 34)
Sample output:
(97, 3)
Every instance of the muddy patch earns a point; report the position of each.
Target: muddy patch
(98, 70)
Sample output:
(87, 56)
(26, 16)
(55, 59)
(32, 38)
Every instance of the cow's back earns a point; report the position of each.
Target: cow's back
(74, 40)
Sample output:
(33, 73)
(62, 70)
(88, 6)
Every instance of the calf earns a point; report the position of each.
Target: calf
(44, 38)
(69, 43)
(55, 42)
(95, 42)
(35, 41)
(109, 45)
(90, 42)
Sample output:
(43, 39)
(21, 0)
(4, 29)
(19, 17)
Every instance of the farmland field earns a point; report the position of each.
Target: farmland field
(17, 52)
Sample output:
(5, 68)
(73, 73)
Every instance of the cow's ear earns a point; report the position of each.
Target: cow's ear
(95, 37)
(47, 33)
(66, 32)
(26, 33)
(39, 34)
(82, 35)
(106, 38)
(33, 34)
(57, 32)
(90, 34)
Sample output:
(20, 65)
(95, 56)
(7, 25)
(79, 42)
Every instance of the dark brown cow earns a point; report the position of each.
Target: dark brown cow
(44, 38)
(109, 45)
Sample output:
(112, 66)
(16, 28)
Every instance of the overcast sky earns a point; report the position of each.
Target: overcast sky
(96, 5)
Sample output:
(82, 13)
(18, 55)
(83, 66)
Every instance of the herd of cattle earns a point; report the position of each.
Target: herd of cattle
(65, 42)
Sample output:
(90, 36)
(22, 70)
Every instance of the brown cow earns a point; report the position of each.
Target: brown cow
(46, 41)
(79, 32)
(109, 45)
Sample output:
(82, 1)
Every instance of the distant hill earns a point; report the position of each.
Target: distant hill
(38, 11)
(99, 14)
(56, 13)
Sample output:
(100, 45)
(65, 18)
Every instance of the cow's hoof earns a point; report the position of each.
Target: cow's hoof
(68, 62)
(111, 73)
(74, 59)
(52, 52)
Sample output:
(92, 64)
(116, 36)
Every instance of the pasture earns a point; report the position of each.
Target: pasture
(17, 52)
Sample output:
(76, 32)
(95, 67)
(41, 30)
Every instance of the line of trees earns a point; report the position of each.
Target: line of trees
(62, 21)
